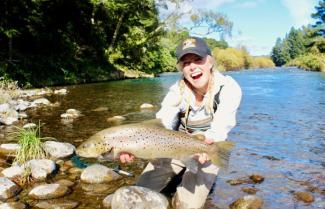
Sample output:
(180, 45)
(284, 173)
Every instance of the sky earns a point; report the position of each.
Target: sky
(258, 23)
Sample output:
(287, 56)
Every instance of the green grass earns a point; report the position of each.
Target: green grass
(30, 145)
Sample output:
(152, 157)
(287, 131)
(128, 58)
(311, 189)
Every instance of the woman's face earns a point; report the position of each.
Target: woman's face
(197, 71)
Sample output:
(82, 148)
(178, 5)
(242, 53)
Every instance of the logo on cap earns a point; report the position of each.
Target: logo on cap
(191, 42)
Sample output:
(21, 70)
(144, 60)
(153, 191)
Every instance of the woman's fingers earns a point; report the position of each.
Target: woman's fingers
(126, 158)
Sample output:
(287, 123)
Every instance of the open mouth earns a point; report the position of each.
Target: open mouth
(196, 75)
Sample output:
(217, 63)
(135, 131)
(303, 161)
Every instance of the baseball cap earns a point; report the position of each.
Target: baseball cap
(192, 45)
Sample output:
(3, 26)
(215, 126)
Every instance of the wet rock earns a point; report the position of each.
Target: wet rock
(247, 202)
(30, 126)
(75, 113)
(95, 188)
(61, 91)
(97, 173)
(100, 109)
(8, 117)
(22, 105)
(40, 101)
(4, 108)
(58, 149)
(65, 182)
(13, 205)
(116, 119)
(250, 190)
(234, 182)
(146, 105)
(271, 158)
(48, 191)
(22, 115)
(137, 197)
(257, 179)
(8, 188)
(9, 149)
(13, 171)
(40, 168)
(57, 204)
(304, 196)
(107, 202)
(75, 170)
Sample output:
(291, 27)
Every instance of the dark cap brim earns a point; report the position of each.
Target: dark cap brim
(192, 51)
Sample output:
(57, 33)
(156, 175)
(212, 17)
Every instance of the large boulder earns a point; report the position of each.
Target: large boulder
(8, 188)
(136, 197)
(48, 191)
(97, 173)
(58, 149)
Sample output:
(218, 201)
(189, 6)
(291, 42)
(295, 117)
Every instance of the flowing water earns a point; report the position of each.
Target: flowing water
(280, 132)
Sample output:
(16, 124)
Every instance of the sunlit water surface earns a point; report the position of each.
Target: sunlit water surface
(280, 132)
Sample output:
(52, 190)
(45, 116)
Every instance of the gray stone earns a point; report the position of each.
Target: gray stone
(4, 108)
(8, 188)
(60, 91)
(58, 149)
(107, 202)
(137, 197)
(97, 173)
(48, 191)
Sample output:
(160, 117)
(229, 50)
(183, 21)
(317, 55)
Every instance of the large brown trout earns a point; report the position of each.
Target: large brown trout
(150, 141)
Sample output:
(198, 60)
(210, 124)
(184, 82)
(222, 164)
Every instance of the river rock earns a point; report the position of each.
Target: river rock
(8, 188)
(30, 126)
(107, 202)
(12, 205)
(116, 119)
(97, 173)
(12, 171)
(40, 101)
(48, 191)
(40, 168)
(146, 105)
(304, 196)
(137, 197)
(65, 182)
(9, 149)
(58, 149)
(74, 112)
(4, 108)
(61, 91)
(57, 204)
(247, 202)
(256, 178)
(250, 190)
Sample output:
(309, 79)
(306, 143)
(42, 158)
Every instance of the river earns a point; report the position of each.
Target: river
(280, 132)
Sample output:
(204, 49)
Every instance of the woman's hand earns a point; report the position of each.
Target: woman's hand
(203, 157)
(126, 157)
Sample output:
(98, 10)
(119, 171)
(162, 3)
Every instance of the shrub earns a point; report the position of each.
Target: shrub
(312, 62)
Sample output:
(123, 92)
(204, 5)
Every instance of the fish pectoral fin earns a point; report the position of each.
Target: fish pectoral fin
(109, 155)
(191, 164)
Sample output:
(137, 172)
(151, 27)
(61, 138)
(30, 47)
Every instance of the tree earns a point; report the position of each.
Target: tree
(320, 17)
(280, 52)
(296, 43)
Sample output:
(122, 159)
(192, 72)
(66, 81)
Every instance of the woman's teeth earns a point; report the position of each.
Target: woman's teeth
(196, 75)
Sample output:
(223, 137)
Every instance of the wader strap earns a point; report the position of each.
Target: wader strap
(216, 100)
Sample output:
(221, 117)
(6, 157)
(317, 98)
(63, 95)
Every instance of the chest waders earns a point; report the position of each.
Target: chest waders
(189, 126)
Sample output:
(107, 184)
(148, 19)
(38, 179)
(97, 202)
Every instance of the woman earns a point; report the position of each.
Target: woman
(202, 102)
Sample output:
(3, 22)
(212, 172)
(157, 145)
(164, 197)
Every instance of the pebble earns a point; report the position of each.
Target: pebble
(304, 196)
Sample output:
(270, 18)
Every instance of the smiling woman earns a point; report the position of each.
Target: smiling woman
(203, 102)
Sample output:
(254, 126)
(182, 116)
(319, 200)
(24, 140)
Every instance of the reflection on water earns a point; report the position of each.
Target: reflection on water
(281, 117)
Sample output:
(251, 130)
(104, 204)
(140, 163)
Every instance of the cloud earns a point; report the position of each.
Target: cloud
(300, 11)
(250, 43)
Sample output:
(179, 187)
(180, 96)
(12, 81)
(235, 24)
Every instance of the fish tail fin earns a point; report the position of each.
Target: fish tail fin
(220, 153)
